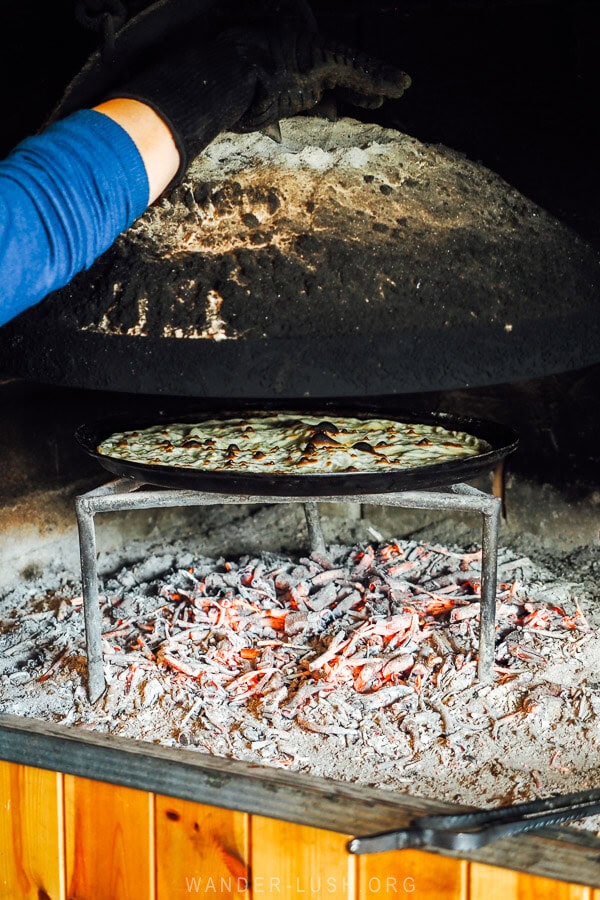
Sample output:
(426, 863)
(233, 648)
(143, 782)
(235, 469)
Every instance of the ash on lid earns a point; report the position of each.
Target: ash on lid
(341, 227)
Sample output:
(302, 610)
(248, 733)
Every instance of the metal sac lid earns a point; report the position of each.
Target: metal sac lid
(349, 260)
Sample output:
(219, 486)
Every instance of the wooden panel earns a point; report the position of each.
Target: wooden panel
(109, 841)
(291, 861)
(316, 802)
(200, 850)
(403, 873)
(490, 883)
(31, 833)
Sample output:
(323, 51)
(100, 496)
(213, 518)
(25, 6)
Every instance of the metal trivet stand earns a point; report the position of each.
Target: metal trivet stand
(126, 494)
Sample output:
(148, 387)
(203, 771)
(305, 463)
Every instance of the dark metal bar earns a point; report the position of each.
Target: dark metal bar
(162, 498)
(91, 602)
(472, 830)
(489, 571)
(315, 531)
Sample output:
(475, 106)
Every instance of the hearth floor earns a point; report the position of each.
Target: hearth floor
(358, 667)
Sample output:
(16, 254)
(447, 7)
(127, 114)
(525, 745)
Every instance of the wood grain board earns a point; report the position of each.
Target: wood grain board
(109, 837)
(564, 854)
(490, 883)
(31, 833)
(383, 876)
(201, 850)
(290, 861)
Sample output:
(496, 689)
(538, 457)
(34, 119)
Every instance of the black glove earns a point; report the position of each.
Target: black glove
(129, 46)
(173, 57)
(126, 45)
(296, 67)
(198, 88)
(177, 57)
(202, 78)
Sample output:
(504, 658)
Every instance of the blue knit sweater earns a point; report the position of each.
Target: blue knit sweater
(65, 195)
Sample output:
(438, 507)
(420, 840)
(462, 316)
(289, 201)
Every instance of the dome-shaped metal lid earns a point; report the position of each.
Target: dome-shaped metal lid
(349, 260)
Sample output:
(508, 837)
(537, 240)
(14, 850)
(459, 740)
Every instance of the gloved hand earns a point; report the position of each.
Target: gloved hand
(250, 77)
(202, 77)
(198, 88)
(295, 67)
(171, 56)
(156, 35)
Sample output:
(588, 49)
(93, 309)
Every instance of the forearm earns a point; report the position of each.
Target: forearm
(66, 195)
(152, 138)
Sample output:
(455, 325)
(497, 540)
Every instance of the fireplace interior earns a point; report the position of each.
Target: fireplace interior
(511, 86)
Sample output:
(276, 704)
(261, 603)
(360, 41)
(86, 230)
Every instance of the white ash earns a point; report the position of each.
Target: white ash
(358, 666)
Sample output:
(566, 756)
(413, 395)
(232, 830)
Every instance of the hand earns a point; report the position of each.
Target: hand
(295, 67)
(200, 79)
(129, 45)
(198, 89)
(174, 58)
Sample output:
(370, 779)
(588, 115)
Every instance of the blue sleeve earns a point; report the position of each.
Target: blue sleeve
(65, 195)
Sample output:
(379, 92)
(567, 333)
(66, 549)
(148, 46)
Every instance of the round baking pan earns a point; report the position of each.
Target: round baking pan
(501, 441)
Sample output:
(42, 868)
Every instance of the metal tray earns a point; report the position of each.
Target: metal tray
(502, 441)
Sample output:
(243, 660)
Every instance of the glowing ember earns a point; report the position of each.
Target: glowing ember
(360, 666)
(381, 625)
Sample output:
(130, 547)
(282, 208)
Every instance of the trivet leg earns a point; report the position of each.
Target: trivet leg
(489, 565)
(91, 602)
(315, 532)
